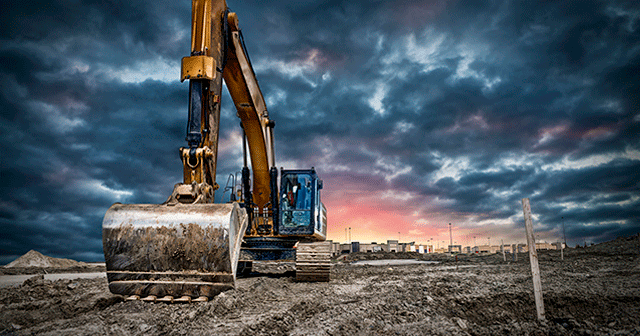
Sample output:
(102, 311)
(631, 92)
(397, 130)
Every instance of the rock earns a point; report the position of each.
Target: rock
(461, 323)
(33, 280)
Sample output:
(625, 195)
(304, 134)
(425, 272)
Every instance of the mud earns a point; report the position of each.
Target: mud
(594, 291)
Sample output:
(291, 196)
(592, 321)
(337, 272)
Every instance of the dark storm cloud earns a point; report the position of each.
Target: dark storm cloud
(466, 108)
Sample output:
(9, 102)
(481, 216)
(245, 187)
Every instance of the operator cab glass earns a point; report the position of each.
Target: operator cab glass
(301, 211)
(297, 192)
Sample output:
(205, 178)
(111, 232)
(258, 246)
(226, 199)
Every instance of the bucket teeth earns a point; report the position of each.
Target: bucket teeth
(201, 299)
(167, 298)
(184, 299)
(150, 298)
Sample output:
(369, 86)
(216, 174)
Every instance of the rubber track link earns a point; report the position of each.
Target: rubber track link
(313, 262)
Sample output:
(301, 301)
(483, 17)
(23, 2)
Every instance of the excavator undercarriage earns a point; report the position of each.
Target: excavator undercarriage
(188, 248)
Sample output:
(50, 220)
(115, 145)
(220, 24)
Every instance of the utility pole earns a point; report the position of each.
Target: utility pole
(450, 241)
(349, 234)
(346, 238)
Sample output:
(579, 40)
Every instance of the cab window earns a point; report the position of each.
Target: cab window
(298, 190)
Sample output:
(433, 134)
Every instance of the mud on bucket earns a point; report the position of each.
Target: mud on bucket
(179, 250)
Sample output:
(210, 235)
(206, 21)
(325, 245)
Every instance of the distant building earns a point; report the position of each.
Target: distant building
(371, 247)
(335, 248)
(405, 247)
(486, 249)
(392, 246)
(545, 246)
(483, 249)
(454, 248)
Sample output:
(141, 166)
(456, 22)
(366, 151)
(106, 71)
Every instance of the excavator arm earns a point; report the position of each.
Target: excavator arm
(217, 52)
(252, 111)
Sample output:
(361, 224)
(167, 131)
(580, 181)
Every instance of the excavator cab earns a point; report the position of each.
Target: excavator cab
(301, 211)
(297, 217)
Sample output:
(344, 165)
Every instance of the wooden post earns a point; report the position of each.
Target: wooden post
(514, 250)
(561, 251)
(504, 257)
(533, 258)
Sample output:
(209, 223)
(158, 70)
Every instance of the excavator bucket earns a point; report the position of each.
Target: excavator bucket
(180, 251)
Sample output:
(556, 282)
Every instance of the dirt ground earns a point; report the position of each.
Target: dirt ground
(594, 291)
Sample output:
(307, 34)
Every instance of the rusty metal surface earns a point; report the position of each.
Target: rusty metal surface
(172, 250)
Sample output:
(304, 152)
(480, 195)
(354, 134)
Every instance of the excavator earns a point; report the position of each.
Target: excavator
(189, 248)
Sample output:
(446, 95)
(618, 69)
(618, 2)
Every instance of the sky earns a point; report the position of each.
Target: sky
(416, 114)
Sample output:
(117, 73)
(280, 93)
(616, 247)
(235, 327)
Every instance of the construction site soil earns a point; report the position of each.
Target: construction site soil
(593, 291)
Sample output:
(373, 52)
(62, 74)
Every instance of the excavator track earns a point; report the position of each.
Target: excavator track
(313, 262)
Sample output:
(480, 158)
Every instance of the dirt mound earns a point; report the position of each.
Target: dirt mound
(37, 259)
(619, 246)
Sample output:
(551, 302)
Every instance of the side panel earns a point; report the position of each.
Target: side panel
(322, 220)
